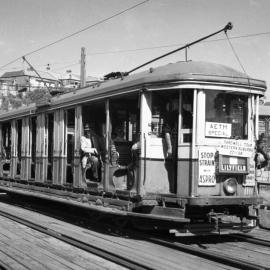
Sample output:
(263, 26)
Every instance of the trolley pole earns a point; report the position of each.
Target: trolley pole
(228, 26)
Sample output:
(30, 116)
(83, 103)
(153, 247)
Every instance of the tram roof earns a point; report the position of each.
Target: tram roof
(198, 71)
(182, 73)
(191, 72)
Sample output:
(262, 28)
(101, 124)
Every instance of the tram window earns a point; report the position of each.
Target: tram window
(164, 112)
(94, 116)
(19, 138)
(70, 124)
(6, 141)
(187, 109)
(33, 130)
(19, 145)
(50, 130)
(125, 118)
(228, 109)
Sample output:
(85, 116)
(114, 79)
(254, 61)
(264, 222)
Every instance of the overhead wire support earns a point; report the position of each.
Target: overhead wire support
(229, 26)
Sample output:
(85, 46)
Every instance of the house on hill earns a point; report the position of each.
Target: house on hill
(21, 81)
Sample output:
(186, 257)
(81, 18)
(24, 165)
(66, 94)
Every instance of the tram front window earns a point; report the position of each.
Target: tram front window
(226, 115)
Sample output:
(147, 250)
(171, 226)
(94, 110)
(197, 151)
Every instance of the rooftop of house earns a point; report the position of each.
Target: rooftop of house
(29, 73)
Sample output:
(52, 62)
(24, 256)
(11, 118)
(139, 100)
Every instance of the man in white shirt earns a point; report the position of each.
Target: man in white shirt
(90, 153)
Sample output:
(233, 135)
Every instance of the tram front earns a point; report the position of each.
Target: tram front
(210, 174)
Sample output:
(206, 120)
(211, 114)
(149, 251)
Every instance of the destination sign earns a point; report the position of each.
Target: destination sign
(233, 168)
(229, 164)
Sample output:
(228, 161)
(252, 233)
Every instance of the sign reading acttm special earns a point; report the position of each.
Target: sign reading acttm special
(215, 129)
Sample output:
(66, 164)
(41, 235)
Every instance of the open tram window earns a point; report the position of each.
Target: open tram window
(186, 115)
(93, 136)
(70, 137)
(6, 146)
(19, 146)
(125, 128)
(33, 133)
(50, 131)
(164, 113)
(226, 115)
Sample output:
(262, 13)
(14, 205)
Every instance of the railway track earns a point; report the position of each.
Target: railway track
(253, 240)
(209, 254)
(170, 243)
(114, 257)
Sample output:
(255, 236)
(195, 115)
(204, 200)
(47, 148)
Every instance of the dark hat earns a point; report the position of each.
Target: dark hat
(89, 126)
(86, 127)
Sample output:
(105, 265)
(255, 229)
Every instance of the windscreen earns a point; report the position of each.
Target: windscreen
(226, 115)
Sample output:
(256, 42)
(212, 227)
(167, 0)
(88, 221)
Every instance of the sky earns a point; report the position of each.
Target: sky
(134, 37)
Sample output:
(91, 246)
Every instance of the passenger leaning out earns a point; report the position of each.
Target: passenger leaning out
(91, 156)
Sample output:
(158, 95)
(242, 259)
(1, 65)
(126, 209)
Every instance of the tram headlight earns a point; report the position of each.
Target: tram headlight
(230, 186)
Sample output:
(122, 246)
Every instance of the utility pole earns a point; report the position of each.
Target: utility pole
(83, 72)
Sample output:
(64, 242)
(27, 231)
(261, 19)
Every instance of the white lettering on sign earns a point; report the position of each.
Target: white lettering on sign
(239, 148)
(215, 129)
(234, 168)
(207, 175)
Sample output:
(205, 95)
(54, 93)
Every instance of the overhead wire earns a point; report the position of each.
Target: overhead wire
(163, 46)
(235, 54)
(77, 32)
(128, 50)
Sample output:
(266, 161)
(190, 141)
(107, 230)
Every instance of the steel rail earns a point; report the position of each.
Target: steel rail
(251, 239)
(113, 257)
(210, 255)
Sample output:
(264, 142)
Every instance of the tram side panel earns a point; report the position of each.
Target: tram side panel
(77, 171)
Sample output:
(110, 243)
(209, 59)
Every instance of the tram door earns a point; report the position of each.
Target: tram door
(184, 163)
(161, 141)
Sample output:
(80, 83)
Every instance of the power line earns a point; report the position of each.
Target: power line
(174, 45)
(73, 63)
(161, 47)
(78, 32)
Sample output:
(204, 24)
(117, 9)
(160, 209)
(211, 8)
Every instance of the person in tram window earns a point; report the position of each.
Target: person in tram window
(135, 152)
(261, 157)
(170, 127)
(119, 134)
(114, 155)
(91, 147)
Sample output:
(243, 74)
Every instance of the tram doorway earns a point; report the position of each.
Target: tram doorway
(169, 144)
(94, 130)
(124, 142)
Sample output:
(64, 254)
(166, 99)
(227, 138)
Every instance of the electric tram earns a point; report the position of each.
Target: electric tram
(176, 147)
(206, 182)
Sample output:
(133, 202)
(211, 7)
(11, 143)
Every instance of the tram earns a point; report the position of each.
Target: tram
(203, 180)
